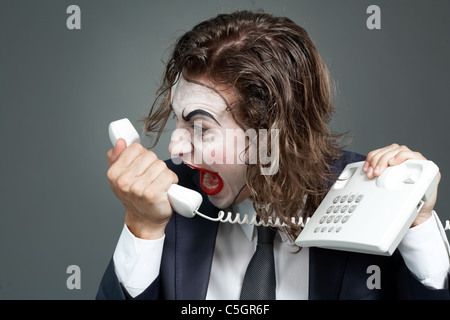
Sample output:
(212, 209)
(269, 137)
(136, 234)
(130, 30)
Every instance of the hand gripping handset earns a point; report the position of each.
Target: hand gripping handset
(183, 200)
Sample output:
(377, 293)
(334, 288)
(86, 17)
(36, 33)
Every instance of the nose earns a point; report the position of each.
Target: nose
(181, 144)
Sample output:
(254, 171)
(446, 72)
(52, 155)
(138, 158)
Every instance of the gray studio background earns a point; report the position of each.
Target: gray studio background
(60, 89)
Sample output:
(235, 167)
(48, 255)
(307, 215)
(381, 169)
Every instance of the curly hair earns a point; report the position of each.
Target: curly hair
(280, 82)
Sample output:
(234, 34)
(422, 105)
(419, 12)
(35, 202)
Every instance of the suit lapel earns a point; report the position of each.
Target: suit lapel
(189, 246)
(196, 238)
(194, 250)
(326, 271)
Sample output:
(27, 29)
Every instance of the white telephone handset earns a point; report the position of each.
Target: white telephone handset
(370, 216)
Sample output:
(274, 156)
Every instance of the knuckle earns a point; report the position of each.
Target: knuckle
(136, 189)
(373, 161)
(160, 165)
(151, 153)
(149, 194)
(395, 145)
(150, 156)
(111, 174)
(123, 182)
(136, 146)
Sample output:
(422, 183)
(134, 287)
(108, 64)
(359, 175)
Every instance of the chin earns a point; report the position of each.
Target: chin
(226, 198)
(221, 200)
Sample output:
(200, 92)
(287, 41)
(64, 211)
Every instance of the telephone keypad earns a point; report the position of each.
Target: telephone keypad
(344, 206)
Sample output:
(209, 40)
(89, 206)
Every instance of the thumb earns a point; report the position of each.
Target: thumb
(115, 153)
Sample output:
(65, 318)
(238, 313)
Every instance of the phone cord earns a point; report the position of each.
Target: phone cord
(223, 217)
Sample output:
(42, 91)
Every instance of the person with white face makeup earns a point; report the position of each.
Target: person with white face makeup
(258, 79)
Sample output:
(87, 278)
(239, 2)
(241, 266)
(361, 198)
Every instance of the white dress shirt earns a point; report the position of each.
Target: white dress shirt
(425, 250)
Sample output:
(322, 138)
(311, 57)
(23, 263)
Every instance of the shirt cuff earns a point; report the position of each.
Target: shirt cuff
(425, 250)
(137, 261)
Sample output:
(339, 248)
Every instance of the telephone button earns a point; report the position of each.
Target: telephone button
(316, 229)
(337, 219)
(344, 208)
(359, 198)
(336, 199)
(343, 199)
(351, 198)
(336, 209)
(352, 208)
(330, 208)
(345, 219)
(322, 220)
(330, 218)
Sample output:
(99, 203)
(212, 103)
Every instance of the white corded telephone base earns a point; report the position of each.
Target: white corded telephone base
(370, 216)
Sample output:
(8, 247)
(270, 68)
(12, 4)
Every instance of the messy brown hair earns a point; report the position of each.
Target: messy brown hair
(280, 82)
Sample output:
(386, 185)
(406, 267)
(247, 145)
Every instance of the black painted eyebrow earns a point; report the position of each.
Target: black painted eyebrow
(198, 112)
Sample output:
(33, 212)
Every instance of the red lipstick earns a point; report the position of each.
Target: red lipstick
(210, 182)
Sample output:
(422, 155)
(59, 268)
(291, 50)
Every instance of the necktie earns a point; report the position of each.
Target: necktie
(259, 280)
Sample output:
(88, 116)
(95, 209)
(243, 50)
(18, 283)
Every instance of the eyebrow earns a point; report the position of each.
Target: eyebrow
(198, 112)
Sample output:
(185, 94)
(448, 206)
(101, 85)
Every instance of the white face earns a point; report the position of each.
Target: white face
(203, 123)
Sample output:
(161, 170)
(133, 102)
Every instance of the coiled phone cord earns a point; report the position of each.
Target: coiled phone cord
(228, 217)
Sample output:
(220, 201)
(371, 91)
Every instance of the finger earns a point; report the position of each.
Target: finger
(114, 153)
(155, 170)
(127, 156)
(156, 177)
(134, 177)
(141, 163)
(165, 179)
(383, 159)
(373, 156)
(404, 155)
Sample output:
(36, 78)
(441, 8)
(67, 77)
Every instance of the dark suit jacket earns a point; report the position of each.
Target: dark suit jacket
(189, 247)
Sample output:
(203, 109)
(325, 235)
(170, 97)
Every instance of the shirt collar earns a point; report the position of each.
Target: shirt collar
(246, 207)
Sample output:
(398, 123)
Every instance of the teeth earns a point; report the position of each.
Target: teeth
(206, 180)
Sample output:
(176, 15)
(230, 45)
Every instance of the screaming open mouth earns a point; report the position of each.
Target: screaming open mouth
(210, 182)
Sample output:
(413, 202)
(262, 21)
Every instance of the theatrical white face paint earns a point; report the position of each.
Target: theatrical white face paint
(208, 138)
